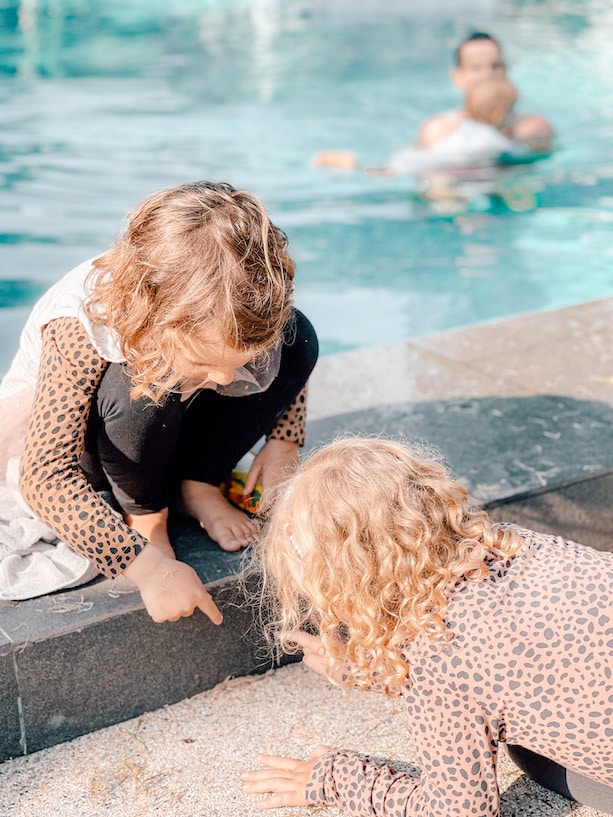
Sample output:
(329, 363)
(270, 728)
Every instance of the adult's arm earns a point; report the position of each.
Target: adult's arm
(535, 131)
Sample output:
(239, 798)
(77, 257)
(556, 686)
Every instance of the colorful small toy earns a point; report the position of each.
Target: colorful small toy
(233, 491)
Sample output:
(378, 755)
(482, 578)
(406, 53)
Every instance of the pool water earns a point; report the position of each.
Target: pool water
(104, 102)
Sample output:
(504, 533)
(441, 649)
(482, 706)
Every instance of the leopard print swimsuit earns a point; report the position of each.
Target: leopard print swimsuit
(531, 664)
(51, 480)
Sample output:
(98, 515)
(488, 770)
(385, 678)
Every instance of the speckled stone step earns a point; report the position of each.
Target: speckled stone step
(80, 660)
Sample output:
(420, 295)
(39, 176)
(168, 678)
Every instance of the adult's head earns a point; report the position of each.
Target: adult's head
(478, 57)
(197, 264)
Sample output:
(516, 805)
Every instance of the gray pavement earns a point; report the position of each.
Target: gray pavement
(185, 759)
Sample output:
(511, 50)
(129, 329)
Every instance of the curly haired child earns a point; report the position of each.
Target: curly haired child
(147, 373)
(492, 634)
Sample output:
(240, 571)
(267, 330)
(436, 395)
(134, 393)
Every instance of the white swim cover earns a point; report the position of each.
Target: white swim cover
(471, 143)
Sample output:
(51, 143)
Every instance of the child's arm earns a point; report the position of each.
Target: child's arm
(346, 160)
(154, 527)
(354, 783)
(456, 747)
(53, 485)
(280, 454)
(291, 424)
(451, 782)
(51, 480)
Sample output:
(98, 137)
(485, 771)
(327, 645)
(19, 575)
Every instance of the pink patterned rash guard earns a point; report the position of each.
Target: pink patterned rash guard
(531, 664)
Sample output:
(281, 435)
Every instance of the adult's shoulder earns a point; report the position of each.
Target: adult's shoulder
(438, 127)
(535, 131)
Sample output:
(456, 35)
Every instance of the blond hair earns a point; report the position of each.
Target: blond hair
(365, 545)
(200, 260)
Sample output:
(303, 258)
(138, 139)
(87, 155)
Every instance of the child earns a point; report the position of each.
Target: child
(491, 102)
(467, 159)
(484, 133)
(491, 633)
(147, 373)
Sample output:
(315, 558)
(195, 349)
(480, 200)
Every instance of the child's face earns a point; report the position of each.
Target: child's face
(210, 363)
(479, 60)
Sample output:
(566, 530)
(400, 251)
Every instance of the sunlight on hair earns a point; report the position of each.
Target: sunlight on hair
(383, 533)
(193, 260)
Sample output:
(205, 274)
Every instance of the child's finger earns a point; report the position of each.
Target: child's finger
(287, 799)
(252, 477)
(262, 780)
(308, 642)
(278, 762)
(283, 791)
(318, 663)
(209, 608)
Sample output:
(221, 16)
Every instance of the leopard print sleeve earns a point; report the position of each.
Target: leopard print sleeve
(51, 480)
(291, 424)
(362, 786)
(450, 781)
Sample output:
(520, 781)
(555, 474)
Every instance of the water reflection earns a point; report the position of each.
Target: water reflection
(105, 102)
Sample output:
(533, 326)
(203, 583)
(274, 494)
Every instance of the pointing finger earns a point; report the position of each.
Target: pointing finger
(209, 608)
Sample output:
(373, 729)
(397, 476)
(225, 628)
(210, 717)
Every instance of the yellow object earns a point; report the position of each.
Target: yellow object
(233, 491)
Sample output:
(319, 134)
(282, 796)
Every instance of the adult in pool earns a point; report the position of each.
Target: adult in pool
(478, 59)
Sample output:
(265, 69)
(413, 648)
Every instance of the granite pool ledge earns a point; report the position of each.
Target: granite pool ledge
(521, 409)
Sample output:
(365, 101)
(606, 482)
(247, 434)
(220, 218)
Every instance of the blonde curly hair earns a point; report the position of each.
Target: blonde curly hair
(200, 261)
(364, 545)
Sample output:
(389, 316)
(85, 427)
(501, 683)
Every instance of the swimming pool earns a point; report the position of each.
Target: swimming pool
(105, 102)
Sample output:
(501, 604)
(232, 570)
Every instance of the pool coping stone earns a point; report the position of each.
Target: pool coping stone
(522, 410)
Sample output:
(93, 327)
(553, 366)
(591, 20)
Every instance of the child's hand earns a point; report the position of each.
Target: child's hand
(315, 656)
(273, 463)
(169, 589)
(285, 777)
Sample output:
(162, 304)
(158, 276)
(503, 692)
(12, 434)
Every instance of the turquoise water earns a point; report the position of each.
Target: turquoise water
(102, 103)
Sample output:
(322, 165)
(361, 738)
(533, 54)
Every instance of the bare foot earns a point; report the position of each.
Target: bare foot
(225, 524)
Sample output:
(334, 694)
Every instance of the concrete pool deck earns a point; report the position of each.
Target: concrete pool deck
(523, 411)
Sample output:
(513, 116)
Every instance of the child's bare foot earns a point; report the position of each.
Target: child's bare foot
(225, 524)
